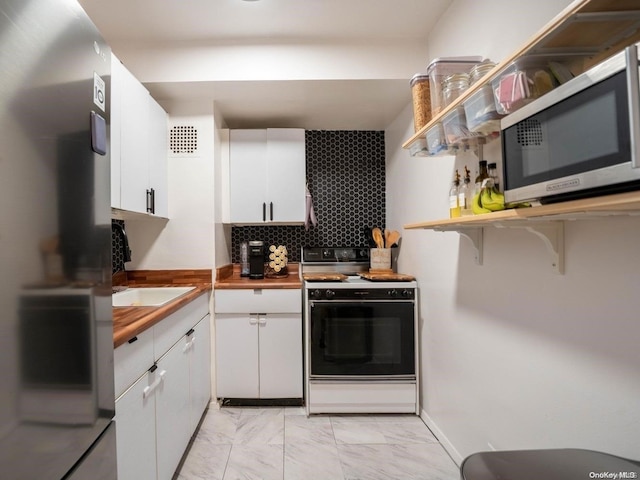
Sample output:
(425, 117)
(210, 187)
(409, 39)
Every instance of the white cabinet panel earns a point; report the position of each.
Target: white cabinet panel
(267, 176)
(248, 175)
(286, 174)
(131, 360)
(158, 164)
(136, 430)
(171, 329)
(138, 139)
(237, 374)
(262, 300)
(280, 356)
(199, 348)
(172, 410)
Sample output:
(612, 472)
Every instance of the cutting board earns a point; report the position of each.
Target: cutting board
(324, 277)
(387, 277)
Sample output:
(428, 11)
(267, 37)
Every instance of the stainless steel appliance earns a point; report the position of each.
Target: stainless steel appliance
(361, 345)
(56, 328)
(256, 259)
(581, 139)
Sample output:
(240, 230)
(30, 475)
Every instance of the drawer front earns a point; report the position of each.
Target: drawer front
(132, 360)
(167, 332)
(258, 300)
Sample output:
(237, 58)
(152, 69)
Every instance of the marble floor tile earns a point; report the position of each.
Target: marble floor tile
(204, 461)
(358, 432)
(283, 443)
(300, 429)
(267, 429)
(424, 462)
(255, 462)
(312, 461)
(370, 462)
(219, 426)
(406, 433)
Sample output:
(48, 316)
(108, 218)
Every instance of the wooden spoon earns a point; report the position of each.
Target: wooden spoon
(393, 238)
(377, 237)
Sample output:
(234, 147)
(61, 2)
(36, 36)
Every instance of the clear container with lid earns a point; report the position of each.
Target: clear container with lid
(436, 142)
(522, 82)
(480, 70)
(453, 86)
(439, 69)
(455, 127)
(480, 111)
(420, 92)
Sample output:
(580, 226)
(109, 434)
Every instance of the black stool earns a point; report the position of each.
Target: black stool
(552, 464)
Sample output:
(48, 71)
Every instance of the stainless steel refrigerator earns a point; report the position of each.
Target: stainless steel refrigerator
(56, 328)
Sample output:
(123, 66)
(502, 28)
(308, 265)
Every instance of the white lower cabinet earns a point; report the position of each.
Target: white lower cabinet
(258, 355)
(157, 415)
(136, 430)
(172, 410)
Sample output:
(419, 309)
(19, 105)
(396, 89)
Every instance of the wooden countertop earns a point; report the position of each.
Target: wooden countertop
(228, 277)
(131, 321)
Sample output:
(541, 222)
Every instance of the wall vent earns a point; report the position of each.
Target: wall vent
(183, 141)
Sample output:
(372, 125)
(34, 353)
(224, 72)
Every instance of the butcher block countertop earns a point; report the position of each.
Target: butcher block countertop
(228, 277)
(131, 321)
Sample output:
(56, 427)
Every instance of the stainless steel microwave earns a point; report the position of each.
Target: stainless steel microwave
(581, 139)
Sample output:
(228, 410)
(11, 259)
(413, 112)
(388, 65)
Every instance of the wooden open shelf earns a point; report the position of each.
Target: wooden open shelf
(583, 34)
(545, 221)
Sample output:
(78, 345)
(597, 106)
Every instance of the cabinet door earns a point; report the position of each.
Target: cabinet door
(136, 429)
(199, 345)
(280, 356)
(247, 174)
(158, 165)
(237, 356)
(134, 143)
(286, 175)
(115, 128)
(172, 410)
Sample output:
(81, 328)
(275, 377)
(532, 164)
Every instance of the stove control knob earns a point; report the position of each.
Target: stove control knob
(407, 293)
(330, 294)
(315, 293)
(393, 293)
(364, 254)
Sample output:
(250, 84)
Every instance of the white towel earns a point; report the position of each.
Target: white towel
(310, 216)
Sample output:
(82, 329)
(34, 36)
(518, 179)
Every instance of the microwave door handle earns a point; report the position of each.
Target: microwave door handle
(633, 86)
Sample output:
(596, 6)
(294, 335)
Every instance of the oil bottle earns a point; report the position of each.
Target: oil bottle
(454, 199)
(465, 194)
(481, 176)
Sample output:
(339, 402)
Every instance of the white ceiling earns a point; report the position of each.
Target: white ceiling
(332, 103)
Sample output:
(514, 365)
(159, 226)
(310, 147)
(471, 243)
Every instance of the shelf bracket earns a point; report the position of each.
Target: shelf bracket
(552, 235)
(475, 236)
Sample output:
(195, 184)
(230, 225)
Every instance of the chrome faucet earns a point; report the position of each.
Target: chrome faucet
(125, 241)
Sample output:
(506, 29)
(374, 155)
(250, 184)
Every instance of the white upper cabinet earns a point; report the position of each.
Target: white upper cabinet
(138, 146)
(267, 176)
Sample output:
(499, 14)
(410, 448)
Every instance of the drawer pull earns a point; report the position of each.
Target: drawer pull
(189, 345)
(131, 340)
(149, 389)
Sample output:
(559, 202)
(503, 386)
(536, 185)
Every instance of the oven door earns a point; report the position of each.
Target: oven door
(362, 339)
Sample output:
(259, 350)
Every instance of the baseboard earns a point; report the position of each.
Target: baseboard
(442, 438)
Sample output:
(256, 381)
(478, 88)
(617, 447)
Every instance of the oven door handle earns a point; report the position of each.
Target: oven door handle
(312, 303)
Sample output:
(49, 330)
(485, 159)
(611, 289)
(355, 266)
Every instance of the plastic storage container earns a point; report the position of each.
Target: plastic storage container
(419, 148)
(439, 69)
(522, 82)
(420, 92)
(436, 142)
(455, 127)
(480, 111)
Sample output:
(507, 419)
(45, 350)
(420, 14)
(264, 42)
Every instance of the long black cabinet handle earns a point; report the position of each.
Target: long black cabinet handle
(271, 210)
(264, 212)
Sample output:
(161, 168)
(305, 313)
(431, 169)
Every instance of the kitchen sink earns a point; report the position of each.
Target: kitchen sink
(147, 296)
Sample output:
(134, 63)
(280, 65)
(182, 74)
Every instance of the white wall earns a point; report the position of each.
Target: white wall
(513, 355)
(187, 239)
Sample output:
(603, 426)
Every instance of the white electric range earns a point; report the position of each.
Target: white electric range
(361, 343)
